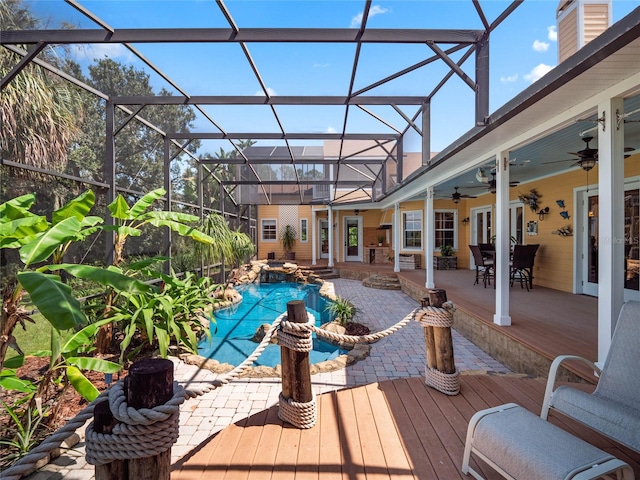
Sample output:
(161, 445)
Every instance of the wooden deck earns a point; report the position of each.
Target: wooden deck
(545, 321)
(398, 429)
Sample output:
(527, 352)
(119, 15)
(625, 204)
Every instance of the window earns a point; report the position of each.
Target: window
(445, 228)
(269, 230)
(412, 230)
(303, 230)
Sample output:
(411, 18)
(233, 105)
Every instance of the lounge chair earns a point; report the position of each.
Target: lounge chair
(613, 409)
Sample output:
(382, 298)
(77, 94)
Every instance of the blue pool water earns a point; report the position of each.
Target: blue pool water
(263, 303)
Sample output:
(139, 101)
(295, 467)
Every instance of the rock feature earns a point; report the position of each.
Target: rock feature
(261, 331)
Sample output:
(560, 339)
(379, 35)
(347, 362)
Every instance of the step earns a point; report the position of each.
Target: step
(382, 282)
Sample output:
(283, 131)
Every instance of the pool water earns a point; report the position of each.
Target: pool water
(263, 303)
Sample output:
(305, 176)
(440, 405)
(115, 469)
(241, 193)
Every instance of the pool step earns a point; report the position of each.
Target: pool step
(382, 282)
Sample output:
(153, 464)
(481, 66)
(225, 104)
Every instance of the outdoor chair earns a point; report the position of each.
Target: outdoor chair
(522, 264)
(613, 409)
(484, 266)
(488, 250)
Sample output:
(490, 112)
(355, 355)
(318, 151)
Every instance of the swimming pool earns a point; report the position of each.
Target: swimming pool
(263, 303)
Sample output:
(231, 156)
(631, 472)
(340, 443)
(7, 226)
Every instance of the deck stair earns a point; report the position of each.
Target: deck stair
(382, 282)
(319, 271)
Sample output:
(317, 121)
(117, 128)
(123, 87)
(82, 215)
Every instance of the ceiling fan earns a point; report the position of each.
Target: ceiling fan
(587, 157)
(492, 184)
(456, 196)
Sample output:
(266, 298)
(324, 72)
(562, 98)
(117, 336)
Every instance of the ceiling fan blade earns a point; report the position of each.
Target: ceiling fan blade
(558, 161)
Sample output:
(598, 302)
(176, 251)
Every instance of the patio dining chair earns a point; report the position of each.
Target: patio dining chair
(484, 266)
(522, 264)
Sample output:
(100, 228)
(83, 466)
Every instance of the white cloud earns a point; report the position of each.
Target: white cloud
(270, 91)
(330, 129)
(509, 78)
(539, 46)
(99, 51)
(374, 10)
(537, 72)
(320, 65)
(552, 33)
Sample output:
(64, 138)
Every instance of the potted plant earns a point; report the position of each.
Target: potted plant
(447, 259)
(380, 240)
(288, 238)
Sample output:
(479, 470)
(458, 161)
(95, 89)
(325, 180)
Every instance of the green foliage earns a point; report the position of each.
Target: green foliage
(21, 435)
(131, 219)
(69, 357)
(242, 247)
(288, 237)
(447, 250)
(342, 310)
(215, 226)
(174, 316)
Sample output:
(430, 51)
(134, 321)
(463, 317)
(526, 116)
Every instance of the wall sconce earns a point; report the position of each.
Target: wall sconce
(544, 211)
(465, 221)
(356, 211)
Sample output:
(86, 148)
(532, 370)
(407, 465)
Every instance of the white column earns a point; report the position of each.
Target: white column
(396, 238)
(330, 221)
(503, 243)
(610, 223)
(314, 240)
(430, 238)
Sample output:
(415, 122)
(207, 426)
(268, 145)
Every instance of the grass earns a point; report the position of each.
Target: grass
(36, 337)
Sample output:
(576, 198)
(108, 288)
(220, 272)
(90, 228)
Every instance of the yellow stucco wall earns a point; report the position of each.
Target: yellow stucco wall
(555, 259)
(287, 214)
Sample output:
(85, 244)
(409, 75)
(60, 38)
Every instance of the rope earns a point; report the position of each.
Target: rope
(26, 464)
(371, 338)
(437, 316)
(447, 383)
(141, 433)
(298, 414)
(294, 338)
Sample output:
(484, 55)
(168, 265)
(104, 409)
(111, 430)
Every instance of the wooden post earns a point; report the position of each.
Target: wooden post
(296, 371)
(429, 340)
(103, 422)
(149, 384)
(442, 339)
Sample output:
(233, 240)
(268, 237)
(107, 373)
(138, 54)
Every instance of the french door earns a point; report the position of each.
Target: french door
(323, 238)
(589, 243)
(353, 239)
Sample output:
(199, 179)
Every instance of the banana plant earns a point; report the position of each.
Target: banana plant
(42, 242)
(131, 219)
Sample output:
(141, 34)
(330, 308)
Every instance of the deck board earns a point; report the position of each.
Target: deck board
(398, 429)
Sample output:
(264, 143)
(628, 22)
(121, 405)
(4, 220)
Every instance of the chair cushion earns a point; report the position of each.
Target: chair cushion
(607, 416)
(527, 447)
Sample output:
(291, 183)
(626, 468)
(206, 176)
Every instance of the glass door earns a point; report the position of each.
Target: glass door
(323, 238)
(352, 243)
(481, 226)
(590, 244)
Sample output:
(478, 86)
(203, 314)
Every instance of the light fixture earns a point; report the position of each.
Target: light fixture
(587, 163)
(456, 199)
(465, 220)
(543, 211)
(481, 176)
(356, 211)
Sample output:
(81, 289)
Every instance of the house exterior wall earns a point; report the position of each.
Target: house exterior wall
(283, 215)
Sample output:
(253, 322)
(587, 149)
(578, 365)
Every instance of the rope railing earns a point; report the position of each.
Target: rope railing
(145, 432)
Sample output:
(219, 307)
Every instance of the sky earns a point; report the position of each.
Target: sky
(522, 49)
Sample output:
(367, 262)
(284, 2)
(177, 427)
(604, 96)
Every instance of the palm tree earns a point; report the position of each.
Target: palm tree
(40, 114)
(216, 227)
